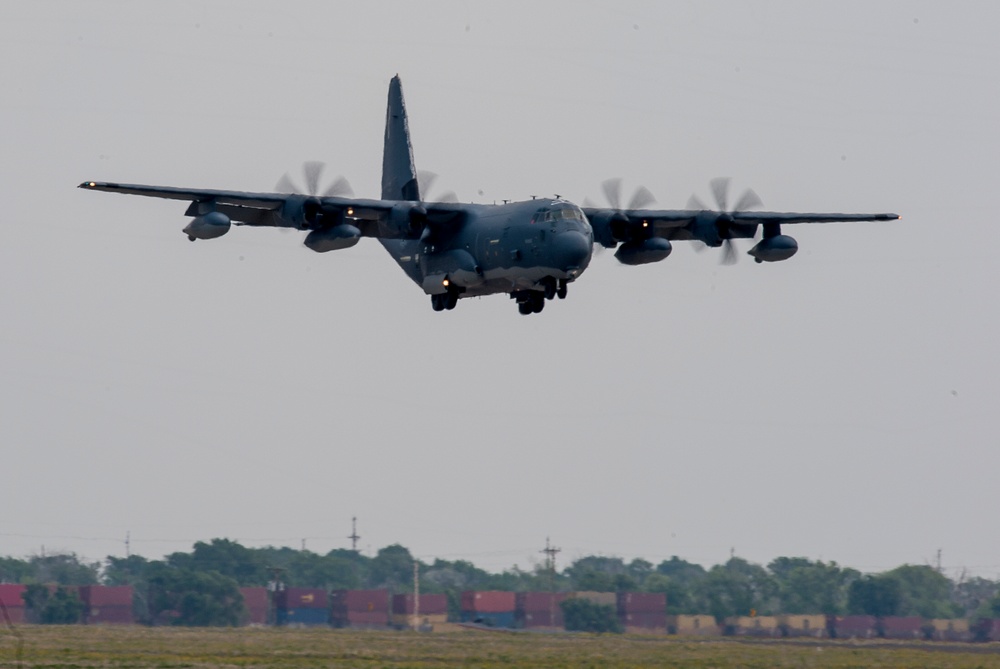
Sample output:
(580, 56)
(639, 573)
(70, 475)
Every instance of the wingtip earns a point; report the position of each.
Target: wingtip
(87, 184)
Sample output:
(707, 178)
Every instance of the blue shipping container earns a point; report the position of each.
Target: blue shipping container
(504, 619)
(303, 617)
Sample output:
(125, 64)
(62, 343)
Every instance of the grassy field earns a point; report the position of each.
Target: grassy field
(167, 648)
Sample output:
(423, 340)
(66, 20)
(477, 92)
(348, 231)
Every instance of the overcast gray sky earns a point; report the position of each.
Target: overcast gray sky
(841, 405)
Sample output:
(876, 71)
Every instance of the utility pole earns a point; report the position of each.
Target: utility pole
(274, 587)
(354, 534)
(416, 595)
(127, 538)
(550, 563)
(939, 561)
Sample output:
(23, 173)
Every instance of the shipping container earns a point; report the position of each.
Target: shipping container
(258, 604)
(488, 601)
(642, 602)
(602, 598)
(363, 619)
(371, 601)
(489, 618)
(802, 625)
(693, 625)
(302, 598)
(431, 604)
(901, 627)
(306, 617)
(538, 601)
(109, 615)
(16, 615)
(853, 627)
(12, 595)
(540, 619)
(762, 626)
(944, 629)
(105, 595)
(650, 620)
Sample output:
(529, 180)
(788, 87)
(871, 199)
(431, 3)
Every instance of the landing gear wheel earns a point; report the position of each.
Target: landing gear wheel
(450, 300)
(539, 303)
(550, 288)
(525, 308)
(438, 301)
(561, 291)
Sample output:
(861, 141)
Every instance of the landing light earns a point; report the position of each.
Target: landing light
(645, 224)
(92, 184)
(350, 211)
(446, 283)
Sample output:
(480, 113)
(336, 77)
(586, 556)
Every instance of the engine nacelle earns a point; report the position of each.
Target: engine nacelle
(773, 249)
(649, 250)
(208, 226)
(334, 238)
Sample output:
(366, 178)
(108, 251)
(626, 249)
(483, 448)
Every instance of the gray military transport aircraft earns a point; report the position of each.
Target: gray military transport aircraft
(530, 250)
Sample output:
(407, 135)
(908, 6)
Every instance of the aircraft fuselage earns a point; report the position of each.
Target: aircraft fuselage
(520, 246)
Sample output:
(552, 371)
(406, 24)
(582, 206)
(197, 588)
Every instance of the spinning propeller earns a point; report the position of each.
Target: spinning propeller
(723, 219)
(312, 170)
(425, 182)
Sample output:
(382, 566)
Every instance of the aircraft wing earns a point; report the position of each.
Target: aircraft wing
(385, 219)
(611, 226)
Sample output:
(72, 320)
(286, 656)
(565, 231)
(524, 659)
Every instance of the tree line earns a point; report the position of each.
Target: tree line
(201, 587)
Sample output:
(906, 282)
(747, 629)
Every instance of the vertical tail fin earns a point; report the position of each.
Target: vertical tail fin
(399, 176)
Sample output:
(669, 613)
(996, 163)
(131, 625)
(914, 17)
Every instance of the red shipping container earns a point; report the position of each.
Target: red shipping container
(302, 598)
(531, 619)
(910, 627)
(258, 603)
(642, 602)
(648, 621)
(12, 595)
(488, 601)
(106, 595)
(110, 615)
(848, 627)
(539, 601)
(430, 605)
(360, 600)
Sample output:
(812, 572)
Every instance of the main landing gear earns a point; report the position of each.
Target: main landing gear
(533, 301)
(446, 300)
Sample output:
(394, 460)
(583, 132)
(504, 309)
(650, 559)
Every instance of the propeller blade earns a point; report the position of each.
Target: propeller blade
(720, 191)
(748, 200)
(695, 204)
(286, 185)
(641, 199)
(339, 188)
(588, 203)
(613, 192)
(313, 169)
(425, 181)
(728, 252)
(450, 196)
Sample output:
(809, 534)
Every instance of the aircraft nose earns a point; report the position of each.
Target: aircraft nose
(573, 250)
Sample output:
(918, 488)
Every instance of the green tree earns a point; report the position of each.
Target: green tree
(225, 557)
(14, 570)
(811, 587)
(581, 615)
(63, 569)
(183, 596)
(737, 588)
(875, 595)
(61, 607)
(392, 567)
(125, 571)
(924, 591)
(683, 582)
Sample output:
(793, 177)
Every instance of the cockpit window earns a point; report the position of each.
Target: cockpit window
(560, 214)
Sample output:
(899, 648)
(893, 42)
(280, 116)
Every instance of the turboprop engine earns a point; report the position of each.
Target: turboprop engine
(208, 226)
